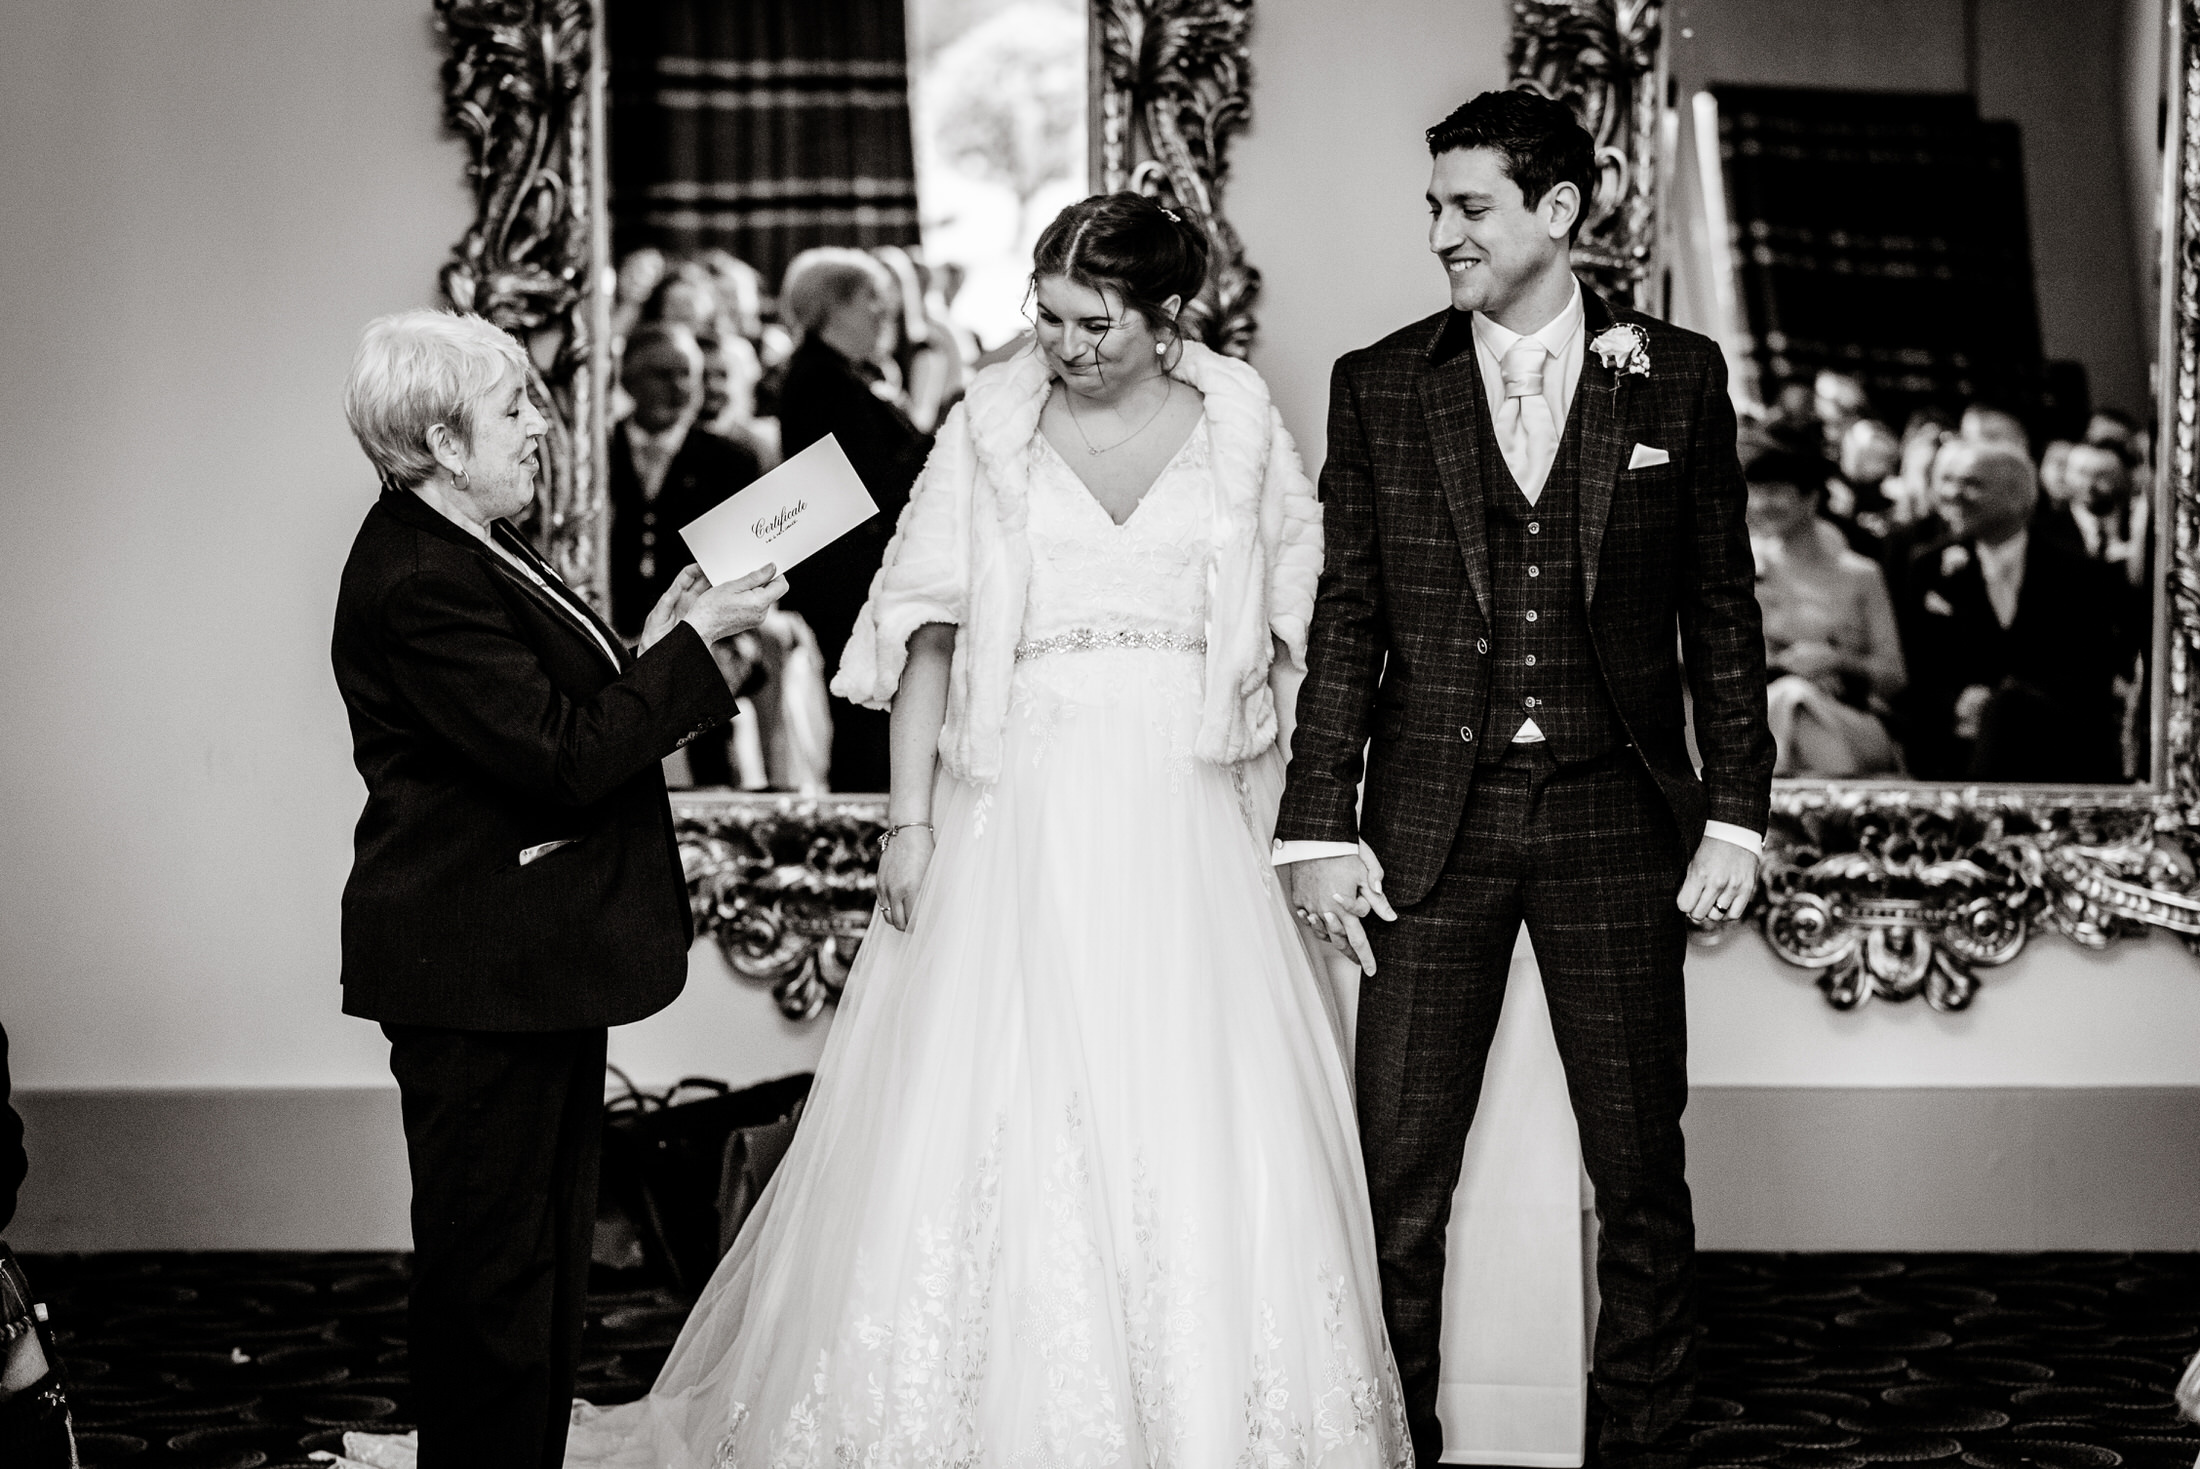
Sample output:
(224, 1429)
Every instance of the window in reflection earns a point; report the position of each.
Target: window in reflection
(820, 228)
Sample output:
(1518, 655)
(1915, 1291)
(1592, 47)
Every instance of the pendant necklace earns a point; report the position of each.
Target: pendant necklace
(1167, 392)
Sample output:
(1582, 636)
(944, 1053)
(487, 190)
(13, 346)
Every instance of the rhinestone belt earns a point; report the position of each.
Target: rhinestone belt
(1090, 639)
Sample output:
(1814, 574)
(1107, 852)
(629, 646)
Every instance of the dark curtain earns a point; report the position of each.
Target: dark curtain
(762, 127)
(1882, 234)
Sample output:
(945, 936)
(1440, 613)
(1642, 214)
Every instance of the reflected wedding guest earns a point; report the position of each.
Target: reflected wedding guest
(665, 468)
(2111, 520)
(1985, 424)
(1857, 499)
(731, 372)
(515, 887)
(838, 300)
(1831, 648)
(1837, 400)
(2014, 639)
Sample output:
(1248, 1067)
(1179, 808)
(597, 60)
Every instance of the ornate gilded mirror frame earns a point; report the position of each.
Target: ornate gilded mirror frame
(1893, 890)
(783, 883)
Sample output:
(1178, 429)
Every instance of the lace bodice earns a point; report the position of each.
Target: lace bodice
(1146, 576)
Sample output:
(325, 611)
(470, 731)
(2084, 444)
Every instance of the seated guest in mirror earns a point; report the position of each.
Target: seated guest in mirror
(731, 372)
(1984, 423)
(2117, 430)
(920, 348)
(514, 886)
(1856, 498)
(839, 302)
(2014, 637)
(2111, 520)
(1837, 400)
(1086, 1085)
(666, 469)
(1832, 651)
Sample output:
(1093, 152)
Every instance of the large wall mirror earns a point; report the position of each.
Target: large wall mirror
(1944, 244)
(730, 228)
(1951, 248)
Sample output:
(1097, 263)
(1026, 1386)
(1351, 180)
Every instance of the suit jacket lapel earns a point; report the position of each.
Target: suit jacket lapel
(1451, 397)
(1596, 405)
(573, 608)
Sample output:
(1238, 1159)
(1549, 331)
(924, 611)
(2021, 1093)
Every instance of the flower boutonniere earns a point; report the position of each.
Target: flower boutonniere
(1624, 349)
(1953, 559)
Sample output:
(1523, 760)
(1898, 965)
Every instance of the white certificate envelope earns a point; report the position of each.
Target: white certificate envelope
(785, 518)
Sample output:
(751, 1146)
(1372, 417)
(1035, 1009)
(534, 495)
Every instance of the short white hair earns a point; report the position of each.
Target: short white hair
(820, 281)
(416, 369)
(2002, 461)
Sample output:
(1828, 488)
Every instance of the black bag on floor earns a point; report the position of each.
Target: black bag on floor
(682, 1169)
(35, 1429)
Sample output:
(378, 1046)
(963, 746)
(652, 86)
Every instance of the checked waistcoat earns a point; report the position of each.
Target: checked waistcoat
(1542, 664)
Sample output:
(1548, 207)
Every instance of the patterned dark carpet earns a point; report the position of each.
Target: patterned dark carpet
(1810, 1361)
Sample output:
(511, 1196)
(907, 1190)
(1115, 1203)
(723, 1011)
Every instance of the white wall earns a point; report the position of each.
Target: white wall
(1327, 183)
(206, 199)
(205, 202)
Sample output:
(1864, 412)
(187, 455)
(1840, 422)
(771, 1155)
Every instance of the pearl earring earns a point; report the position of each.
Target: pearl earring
(1161, 349)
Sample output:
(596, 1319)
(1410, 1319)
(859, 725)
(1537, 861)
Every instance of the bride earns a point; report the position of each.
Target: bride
(1079, 1182)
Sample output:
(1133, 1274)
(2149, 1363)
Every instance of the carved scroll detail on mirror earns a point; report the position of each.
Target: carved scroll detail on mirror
(785, 885)
(1905, 894)
(519, 86)
(1896, 892)
(1605, 59)
(1171, 81)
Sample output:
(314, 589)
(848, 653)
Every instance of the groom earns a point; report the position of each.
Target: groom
(1534, 524)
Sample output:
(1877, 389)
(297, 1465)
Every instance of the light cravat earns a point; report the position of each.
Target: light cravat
(2002, 569)
(1527, 433)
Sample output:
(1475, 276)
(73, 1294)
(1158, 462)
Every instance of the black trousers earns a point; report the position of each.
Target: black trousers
(503, 1131)
(1589, 858)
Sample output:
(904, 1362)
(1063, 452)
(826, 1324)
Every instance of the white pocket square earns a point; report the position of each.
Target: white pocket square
(1938, 605)
(1646, 457)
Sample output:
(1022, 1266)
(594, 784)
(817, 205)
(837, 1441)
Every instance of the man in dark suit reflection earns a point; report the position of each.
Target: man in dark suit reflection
(665, 471)
(2014, 637)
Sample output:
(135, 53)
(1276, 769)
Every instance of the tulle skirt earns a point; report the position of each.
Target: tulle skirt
(1078, 1184)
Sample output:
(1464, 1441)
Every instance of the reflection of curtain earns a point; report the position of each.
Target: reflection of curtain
(760, 126)
(1883, 234)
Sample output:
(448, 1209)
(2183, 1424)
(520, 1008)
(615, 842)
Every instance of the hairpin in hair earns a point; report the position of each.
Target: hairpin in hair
(1174, 217)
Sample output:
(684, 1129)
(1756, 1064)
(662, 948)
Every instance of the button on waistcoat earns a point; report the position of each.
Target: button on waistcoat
(1542, 666)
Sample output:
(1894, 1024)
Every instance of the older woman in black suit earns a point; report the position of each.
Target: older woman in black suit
(515, 886)
(840, 301)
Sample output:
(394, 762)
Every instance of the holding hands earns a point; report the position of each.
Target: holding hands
(1331, 895)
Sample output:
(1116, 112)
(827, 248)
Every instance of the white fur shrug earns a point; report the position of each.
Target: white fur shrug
(961, 555)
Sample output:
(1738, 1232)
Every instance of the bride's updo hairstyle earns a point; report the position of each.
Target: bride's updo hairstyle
(1128, 244)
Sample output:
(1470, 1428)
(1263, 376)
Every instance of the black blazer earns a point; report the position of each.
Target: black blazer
(706, 471)
(485, 721)
(2057, 716)
(1400, 633)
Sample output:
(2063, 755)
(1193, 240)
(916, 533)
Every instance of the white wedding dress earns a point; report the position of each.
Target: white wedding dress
(1079, 1182)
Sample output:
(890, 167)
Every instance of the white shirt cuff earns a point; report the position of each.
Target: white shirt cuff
(1285, 853)
(1741, 836)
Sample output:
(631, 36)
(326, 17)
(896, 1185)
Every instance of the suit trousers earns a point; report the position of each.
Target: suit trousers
(1589, 857)
(504, 1131)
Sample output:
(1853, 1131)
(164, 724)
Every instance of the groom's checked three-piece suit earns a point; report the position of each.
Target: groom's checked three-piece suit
(1509, 646)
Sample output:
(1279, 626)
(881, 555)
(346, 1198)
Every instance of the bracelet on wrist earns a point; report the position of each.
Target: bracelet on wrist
(886, 837)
